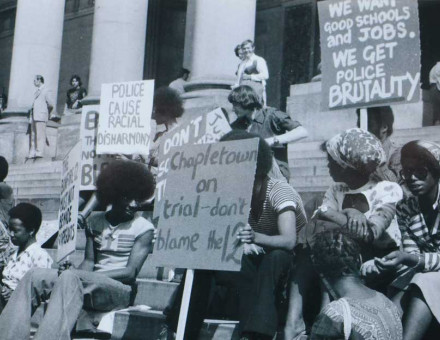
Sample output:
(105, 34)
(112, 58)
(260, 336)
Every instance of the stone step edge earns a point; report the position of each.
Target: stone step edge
(159, 315)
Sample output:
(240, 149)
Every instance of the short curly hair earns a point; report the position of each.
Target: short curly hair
(265, 155)
(28, 214)
(335, 254)
(167, 102)
(246, 97)
(127, 179)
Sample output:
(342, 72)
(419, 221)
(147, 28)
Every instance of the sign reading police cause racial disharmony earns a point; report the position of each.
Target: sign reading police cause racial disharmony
(207, 199)
(202, 129)
(91, 162)
(125, 115)
(68, 213)
(370, 52)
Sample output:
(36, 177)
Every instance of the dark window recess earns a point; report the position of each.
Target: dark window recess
(301, 54)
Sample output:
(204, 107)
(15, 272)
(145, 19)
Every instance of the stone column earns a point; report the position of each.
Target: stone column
(118, 53)
(118, 43)
(213, 29)
(36, 50)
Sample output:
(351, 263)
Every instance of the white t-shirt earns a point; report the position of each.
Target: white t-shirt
(113, 244)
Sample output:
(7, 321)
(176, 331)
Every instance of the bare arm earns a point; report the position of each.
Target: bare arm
(263, 71)
(332, 215)
(89, 257)
(290, 136)
(285, 240)
(287, 233)
(141, 248)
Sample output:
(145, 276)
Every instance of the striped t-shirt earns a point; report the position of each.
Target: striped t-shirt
(113, 244)
(279, 197)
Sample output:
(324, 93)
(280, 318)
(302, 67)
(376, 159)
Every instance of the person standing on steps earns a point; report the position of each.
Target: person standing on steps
(39, 115)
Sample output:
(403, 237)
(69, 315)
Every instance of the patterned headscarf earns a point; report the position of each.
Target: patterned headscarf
(356, 149)
(433, 148)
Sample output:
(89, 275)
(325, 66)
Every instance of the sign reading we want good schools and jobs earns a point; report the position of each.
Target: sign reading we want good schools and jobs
(68, 212)
(125, 116)
(207, 199)
(370, 52)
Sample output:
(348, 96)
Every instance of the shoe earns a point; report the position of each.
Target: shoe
(166, 334)
(31, 155)
(301, 336)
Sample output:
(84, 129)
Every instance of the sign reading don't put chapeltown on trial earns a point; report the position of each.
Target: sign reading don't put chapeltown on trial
(206, 201)
(370, 52)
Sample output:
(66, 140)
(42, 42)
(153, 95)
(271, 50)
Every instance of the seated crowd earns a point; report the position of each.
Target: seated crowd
(369, 256)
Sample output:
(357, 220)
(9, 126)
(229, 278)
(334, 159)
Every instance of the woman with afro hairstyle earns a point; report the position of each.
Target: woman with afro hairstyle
(357, 312)
(118, 243)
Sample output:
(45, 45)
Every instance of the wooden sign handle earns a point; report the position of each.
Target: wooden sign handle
(185, 303)
(363, 119)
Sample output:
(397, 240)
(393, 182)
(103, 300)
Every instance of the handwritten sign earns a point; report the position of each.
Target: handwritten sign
(202, 129)
(125, 115)
(91, 162)
(370, 52)
(68, 213)
(206, 201)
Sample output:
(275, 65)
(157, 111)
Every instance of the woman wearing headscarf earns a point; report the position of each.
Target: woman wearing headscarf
(355, 202)
(416, 289)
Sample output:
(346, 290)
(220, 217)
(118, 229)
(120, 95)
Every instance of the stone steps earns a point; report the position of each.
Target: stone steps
(153, 293)
(38, 183)
(134, 325)
(55, 176)
(46, 166)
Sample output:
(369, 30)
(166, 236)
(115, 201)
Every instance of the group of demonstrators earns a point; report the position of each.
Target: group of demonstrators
(369, 256)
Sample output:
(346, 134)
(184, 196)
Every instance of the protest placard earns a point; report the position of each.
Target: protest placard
(125, 115)
(206, 201)
(202, 129)
(68, 213)
(91, 162)
(370, 52)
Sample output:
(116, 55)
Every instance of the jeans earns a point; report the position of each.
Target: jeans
(69, 293)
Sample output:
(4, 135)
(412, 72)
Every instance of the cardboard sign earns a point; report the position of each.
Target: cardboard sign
(207, 199)
(91, 162)
(68, 213)
(125, 115)
(370, 52)
(202, 129)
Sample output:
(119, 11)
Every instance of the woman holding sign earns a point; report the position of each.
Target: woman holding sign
(276, 216)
